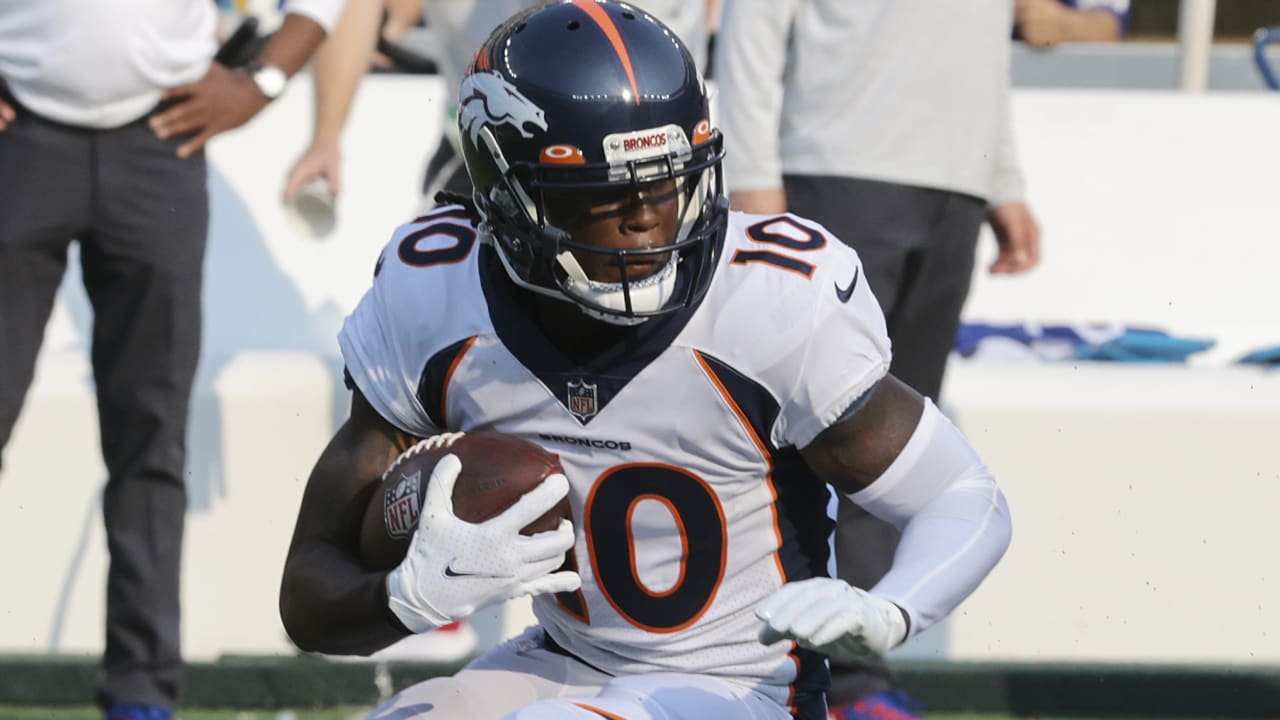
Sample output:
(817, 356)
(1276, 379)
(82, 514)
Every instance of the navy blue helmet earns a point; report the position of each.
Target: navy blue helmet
(589, 99)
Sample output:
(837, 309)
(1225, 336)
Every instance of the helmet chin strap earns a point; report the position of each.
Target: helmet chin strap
(647, 295)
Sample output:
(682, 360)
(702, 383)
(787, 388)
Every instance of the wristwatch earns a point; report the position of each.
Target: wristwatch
(269, 79)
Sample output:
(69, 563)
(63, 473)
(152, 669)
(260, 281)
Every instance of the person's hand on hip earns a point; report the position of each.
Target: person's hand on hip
(221, 100)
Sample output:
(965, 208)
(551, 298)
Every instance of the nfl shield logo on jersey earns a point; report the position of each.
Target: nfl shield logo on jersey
(582, 400)
(400, 507)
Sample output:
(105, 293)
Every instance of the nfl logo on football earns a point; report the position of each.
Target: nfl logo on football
(401, 506)
(582, 400)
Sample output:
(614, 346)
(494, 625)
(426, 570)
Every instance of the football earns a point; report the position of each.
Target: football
(496, 470)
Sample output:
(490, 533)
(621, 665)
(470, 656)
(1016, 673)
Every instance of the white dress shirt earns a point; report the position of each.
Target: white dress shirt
(105, 63)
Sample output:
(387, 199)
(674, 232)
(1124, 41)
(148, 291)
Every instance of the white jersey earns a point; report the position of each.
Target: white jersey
(690, 500)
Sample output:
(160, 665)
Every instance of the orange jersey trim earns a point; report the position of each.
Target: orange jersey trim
(448, 378)
(764, 452)
(773, 491)
(595, 562)
(599, 712)
(684, 545)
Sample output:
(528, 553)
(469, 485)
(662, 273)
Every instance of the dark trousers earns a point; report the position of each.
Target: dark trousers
(140, 215)
(917, 249)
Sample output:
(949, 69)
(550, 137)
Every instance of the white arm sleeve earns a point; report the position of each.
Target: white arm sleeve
(954, 520)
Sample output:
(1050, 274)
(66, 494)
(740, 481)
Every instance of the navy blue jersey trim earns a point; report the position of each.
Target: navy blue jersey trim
(803, 524)
(802, 517)
(512, 312)
(813, 681)
(431, 384)
(802, 496)
(756, 402)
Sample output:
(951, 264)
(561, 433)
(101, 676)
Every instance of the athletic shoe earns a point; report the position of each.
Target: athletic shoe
(139, 712)
(892, 705)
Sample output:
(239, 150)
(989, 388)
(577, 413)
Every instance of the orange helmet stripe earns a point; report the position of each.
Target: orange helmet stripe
(481, 61)
(610, 30)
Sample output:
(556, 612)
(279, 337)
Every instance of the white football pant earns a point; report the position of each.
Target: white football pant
(523, 680)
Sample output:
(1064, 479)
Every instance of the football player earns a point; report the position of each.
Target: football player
(706, 378)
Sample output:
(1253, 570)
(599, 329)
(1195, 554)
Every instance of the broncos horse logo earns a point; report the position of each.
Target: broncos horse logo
(486, 97)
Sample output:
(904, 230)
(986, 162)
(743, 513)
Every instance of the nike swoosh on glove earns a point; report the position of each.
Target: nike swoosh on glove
(833, 618)
(454, 567)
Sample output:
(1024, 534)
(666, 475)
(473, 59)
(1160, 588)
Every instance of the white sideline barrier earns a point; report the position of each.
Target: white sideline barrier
(1143, 503)
(1157, 208)
(1141, 496)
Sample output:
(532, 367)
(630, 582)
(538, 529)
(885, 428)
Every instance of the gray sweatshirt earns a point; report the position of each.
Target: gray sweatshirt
(906, 91)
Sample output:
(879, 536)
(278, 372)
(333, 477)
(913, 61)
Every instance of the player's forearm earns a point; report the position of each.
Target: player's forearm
(947, 550)
(954, 519)
(330, 604)
(329, 601)
(340, 64)
(293, 44)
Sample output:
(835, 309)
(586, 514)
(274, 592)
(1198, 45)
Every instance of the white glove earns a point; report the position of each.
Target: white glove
(454, 567)
(832, 617)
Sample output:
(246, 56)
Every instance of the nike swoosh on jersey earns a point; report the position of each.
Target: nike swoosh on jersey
(450, 572)
(845, 294)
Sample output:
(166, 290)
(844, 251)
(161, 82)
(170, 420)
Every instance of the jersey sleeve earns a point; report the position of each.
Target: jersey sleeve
(841, 351)
(750, 63)
(324, 12)
(382, 354)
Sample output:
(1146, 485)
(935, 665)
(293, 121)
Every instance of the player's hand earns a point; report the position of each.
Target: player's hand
(453, 567)
(221, 100)
(1043, 23)
(833, 618)
(320, 160)
(7, 113)
(1018, 236)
